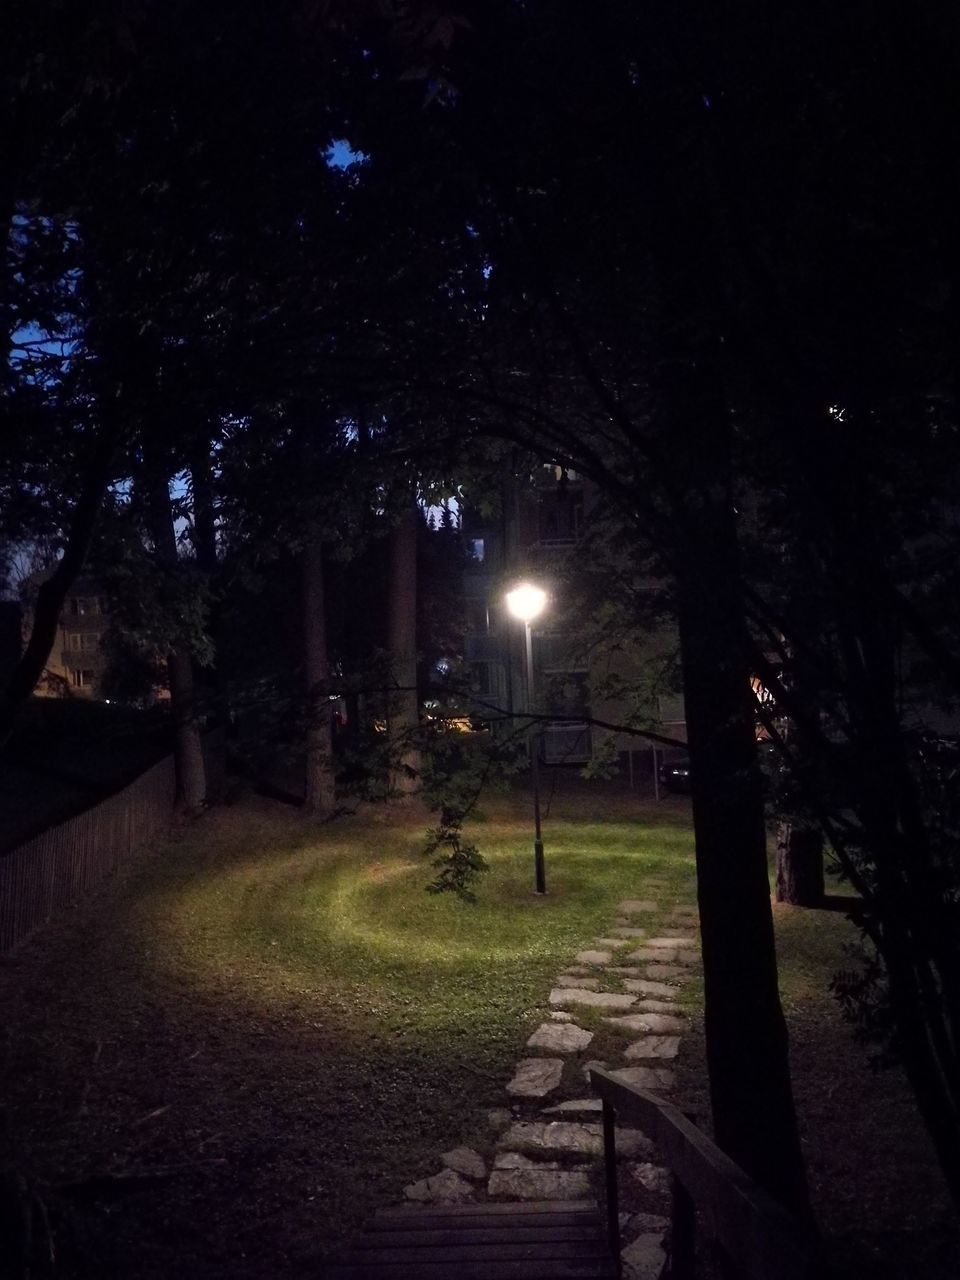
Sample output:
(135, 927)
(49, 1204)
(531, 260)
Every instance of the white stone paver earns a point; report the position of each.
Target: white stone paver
(672, 943)
(535, 1077)
(655, 1079)
(660, 972)
(560, 1037)
(574, 980)
(652, 1176)
(644, 1257)
(466, 1161)
(574, 1106)
(656, 954)
(594, 957)
(612, 943)
(645, 987)
(651, 1024)
(656, 1006)
(653, 1047)
(539, 1184)
(448, 1187)
(593, 999)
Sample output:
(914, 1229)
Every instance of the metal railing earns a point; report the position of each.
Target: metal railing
(756, 1237)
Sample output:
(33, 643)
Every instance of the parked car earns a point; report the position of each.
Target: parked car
(673, 772)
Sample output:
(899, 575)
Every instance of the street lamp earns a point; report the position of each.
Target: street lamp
(527, 602)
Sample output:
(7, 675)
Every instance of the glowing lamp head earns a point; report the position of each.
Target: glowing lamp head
(526, 602)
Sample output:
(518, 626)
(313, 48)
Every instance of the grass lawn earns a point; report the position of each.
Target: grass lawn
(282, 1019)
(282, 1024)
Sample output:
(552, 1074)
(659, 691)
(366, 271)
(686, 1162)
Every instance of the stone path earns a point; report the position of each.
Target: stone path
(546, 1143)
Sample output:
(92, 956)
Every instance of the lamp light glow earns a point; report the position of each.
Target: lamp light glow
(526, 602)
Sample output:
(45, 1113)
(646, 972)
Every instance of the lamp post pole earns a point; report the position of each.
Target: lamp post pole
(526, 602)
(538, 864)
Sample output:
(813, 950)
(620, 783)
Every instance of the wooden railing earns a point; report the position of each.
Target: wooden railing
(756, 1238)
(57, 867)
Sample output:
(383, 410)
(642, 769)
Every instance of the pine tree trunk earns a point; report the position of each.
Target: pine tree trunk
(188, 744)
(404, 711)
(799, 879)
(319, 789)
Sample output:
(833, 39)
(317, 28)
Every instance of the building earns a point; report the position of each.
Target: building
(540, 532)
(78, 660)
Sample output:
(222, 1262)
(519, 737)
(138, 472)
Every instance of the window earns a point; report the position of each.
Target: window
(89, 641)
(560, 515)
(481, 679)
(82, 679)
(73, 641)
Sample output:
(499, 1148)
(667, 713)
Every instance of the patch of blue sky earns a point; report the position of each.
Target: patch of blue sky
(340, 155)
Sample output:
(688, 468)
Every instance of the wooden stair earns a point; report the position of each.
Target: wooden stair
(546, 1240)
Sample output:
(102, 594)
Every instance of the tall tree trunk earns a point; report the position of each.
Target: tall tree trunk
(404, 712)
(319, 792)
(750, 1089)
(799, 879)
(188, 744)
(204, 512)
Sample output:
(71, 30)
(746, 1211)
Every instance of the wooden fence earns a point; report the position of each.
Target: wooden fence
(59, 866)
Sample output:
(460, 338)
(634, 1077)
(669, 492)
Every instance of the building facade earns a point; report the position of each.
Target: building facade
(539, 534)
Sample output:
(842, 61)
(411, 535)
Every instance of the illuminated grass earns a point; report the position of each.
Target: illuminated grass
(309, 1018)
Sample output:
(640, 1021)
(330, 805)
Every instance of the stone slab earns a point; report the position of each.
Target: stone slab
(653, 1047)
(560, 1015)
(658, 972)
(672, 943)
(636, 906)
(656, 1079)
(643, 1258)
(554, 1138)
(648, 1222)
(535, 1077)
(688, 957)
(613, 943)
(539, 1184)
(625, 931)
(656, 1006)
(466, 1161)
(593, 1062)
(447, 1187)
(574, 980)
(656, 954)
(575, 1106)
(652, 1176)
(560, 1037)
(593, 999)
(594, 957)
(651, 1024)
(645, 987)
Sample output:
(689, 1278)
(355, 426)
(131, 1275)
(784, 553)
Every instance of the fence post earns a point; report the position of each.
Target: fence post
(610, 1169)
(683, 1226)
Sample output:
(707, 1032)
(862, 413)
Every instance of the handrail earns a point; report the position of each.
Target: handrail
(758, 1235)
